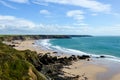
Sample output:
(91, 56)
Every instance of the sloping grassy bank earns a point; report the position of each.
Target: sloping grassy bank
(18, 65)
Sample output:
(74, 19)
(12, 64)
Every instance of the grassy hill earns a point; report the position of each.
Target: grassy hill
(18, 65)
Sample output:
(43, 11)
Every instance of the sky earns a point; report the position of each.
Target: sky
(63, 17)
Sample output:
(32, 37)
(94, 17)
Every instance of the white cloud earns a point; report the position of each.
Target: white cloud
(11, 22)
(94, 14)
(93, 5)
(46, 12)
(40, 3)
(76, 14)
(6, 4)
(20, 1)
(80, 24)
(101, 31)
(79, 30)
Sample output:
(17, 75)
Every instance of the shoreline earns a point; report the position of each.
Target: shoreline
(86, 68)
(68, 51)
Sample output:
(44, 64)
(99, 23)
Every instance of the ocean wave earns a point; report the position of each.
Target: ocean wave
(45, 42)
(47, 45)
(69, 51)
(112, 58)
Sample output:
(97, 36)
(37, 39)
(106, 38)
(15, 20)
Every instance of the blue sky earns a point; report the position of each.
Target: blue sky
(94, 17)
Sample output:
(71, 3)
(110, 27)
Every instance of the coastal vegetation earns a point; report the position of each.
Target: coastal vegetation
(15, 65)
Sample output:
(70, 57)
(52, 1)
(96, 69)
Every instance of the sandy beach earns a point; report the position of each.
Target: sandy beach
(86, 70)
(30, 44)
(116, 77)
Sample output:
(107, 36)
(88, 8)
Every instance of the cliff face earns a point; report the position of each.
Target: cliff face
(18, 65)
(33, 37)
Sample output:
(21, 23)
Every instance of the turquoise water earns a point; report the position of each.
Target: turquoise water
(94, 46)
(91, 45)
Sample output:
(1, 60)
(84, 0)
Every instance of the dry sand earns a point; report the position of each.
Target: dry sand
(30, 44)
(116, 77)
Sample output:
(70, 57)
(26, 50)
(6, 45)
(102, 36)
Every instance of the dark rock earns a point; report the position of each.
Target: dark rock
(70, 58)
(77, 76)
(73, 57)
(52, 65)
(80, 57)
(54, 52)
(85, 78)
(38, 67)
(12, 45)
(88, 59)
(83, 57)
(102, 56)
(86, 56)
(54, 58)
(49, 71)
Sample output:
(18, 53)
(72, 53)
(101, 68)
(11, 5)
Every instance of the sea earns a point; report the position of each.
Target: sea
(108, 46)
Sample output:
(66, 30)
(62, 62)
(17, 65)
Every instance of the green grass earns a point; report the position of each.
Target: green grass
(18, 65)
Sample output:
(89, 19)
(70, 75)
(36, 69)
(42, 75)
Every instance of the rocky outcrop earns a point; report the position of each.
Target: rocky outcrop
(52, 65)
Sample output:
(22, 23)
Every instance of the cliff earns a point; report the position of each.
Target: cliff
(33, 37)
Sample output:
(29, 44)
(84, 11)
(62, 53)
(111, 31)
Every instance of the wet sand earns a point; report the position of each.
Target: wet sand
(116, 77)
(85, 70)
